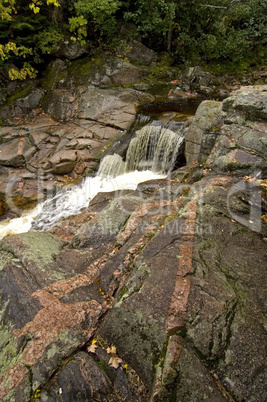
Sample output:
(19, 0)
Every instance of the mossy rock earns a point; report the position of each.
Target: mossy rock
(18, 94)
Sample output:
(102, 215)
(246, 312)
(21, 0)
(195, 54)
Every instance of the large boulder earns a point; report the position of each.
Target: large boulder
(230, 135)
(102, 70)
(114, 107)
(241, 146)
(201, 135)
(189, 304)
(196, 80)
(70, 50)
(249, 103)
(135, 51)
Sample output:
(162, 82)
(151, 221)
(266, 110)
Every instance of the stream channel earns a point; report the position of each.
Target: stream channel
(154, 149)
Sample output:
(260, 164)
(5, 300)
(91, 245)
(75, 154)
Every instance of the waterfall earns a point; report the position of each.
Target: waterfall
(151, 155)
(112, 166)
(72, 201)
(153, 148)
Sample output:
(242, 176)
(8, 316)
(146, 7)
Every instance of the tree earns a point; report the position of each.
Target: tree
(10, 50)
(194, 31)
(156, 20)
(95, 15)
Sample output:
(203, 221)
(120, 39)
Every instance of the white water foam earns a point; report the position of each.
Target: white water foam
(72, 201)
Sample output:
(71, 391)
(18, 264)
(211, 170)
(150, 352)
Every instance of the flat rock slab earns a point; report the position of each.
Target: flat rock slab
(115, 107)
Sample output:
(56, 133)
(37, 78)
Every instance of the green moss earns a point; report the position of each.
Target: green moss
(49, 79)
(5, 258)
(237, 70)
(18, 94)
(9, 355)
(39, 250)
(80, 69)
(103, 366)
(52, 351)
(135, 283)
(61, 76)
(53, 75)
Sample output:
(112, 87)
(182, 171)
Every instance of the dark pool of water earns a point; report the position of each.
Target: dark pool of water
(186, 106)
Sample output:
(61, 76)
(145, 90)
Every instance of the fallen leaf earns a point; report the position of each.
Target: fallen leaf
(115, 362)
(111, 349)
(37, 394)
(92, 347)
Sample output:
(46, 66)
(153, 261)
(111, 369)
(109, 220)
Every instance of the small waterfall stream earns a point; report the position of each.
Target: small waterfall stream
(153, 148)
(151, 155)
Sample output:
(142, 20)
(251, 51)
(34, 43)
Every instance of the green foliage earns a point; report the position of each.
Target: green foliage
(99, 14)
(78, 28)
(155, 19)
(47, 41)
(31, 37)
(218, 31)
(11, 47)
(202, 31)
(6, 9)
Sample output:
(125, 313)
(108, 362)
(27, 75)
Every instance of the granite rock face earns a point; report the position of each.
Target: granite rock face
(196, 80)
(81, 108)
(202, 133)
(179, 287)
(230, 136)
(61, 124)
(154, 294)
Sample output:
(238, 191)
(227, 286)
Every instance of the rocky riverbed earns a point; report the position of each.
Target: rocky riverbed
(154, 294)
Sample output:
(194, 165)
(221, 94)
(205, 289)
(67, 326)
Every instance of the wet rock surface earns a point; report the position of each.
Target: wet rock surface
(64, 127)
(61, 124)
(230, 136)
(196, 80)
(154, 294)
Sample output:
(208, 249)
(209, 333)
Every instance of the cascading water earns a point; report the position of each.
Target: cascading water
(151, 155)
(153, 148)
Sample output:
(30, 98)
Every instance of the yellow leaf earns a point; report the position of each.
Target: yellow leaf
(37, 394)
(114, 362)
(92, 347)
